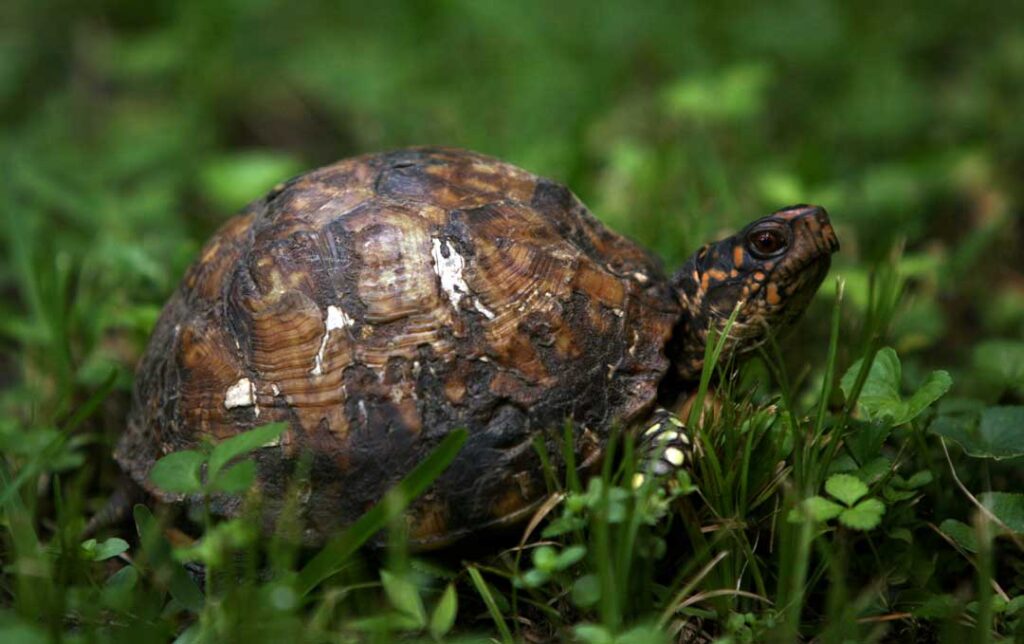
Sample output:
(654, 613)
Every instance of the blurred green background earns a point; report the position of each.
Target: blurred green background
(131, 130)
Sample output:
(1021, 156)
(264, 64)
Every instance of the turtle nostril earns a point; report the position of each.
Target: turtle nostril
(829, 237)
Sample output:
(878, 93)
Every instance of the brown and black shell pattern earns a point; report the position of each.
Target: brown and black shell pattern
(381, 302)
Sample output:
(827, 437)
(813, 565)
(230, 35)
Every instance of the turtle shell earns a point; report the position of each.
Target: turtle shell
(379, 303)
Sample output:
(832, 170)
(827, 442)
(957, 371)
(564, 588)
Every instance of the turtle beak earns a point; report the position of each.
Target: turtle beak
(829, 240)
(815, 222)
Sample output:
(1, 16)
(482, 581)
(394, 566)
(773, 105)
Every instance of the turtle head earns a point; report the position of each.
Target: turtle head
(770, 270)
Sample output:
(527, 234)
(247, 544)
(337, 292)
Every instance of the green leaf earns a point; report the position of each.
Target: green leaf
(866, 440)
(118, 591)
(919, 479)
(335, 554)
(178, 472)
(593, 634)
(534, 578)
(545, 558)
(235, 479)
(880, 397)
(570, 556)
(821, 509)
(997, 434)
(266, 435)
(934, 387)
(1007, 506)
(961, 533)
(586, 591)
(846, 488)
(866, 515)
(123, 579)
(443, 617)
(404, 596)
(105, 550)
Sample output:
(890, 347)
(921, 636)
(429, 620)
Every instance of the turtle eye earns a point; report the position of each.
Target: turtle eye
(766, 242)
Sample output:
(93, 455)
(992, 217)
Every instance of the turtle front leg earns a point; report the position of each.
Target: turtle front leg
(665, 446)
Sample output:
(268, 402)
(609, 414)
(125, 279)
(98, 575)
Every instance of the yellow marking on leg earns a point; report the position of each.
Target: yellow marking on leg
(675, 456)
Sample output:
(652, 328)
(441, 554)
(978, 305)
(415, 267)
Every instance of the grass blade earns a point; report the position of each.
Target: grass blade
(492, 606)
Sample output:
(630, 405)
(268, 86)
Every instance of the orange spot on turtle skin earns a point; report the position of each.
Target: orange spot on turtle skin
(737, 256)
(772, 295)
(734, 273)
(716, 274)
(704, 283)
(759, 276)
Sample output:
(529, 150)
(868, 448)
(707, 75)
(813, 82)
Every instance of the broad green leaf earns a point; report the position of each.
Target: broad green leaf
(880, 397)
(865, 440)
(178, 472)
(882, 385)
(846, 488)
(118, 591)
(545, 558)
(335, 554)
(405, 597)
(123, 579)
(996, 434)
(570, 556)
(866, 515)
(103, 550)
(242, 444)
(919, 479)
(443, 617)
(534, 578)
(235, 479)
(961, 533)
(1007, 506)
(586, 591)
(593, 634)
(934, 387)
(821, 509)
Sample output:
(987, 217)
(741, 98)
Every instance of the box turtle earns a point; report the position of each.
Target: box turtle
(381, 302)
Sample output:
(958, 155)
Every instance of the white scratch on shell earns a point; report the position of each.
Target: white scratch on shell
(449, 270)
(240, 394)
(335, 319)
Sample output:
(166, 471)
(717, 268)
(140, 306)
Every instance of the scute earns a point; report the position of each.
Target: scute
(381, 302)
